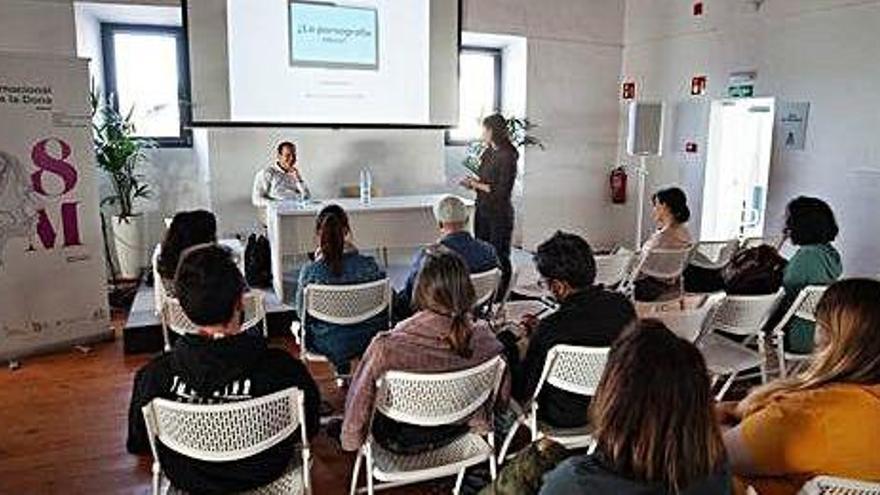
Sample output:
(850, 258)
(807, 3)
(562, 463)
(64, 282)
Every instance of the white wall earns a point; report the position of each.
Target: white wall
(574, 54)
(821, 51)
(401, 162)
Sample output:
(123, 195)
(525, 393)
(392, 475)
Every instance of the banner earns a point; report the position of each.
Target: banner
(52, 273)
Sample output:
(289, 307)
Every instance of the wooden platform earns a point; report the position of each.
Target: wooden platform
(64, 419)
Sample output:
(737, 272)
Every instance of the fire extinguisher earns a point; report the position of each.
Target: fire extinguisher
(617, 183)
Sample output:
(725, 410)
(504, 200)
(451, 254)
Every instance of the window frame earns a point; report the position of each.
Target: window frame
(108, 49)
(498, 55)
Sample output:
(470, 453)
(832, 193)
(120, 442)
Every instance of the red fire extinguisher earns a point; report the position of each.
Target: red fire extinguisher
(617, 183)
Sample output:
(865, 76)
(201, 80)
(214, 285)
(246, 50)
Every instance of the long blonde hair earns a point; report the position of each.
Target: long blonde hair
(444, 286)
(848, 317)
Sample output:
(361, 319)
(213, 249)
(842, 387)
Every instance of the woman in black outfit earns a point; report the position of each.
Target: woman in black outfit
(493, 220)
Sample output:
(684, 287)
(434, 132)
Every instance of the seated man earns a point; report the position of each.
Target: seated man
(219, 365)
(588, 316)
(452, 219)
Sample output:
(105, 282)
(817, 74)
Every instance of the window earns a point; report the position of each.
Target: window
(479, 92)
(145, 73)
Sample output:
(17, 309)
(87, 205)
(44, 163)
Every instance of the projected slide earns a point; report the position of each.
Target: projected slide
(333, 36)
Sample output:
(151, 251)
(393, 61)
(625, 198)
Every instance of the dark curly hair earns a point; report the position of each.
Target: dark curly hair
(676, 200)
(187, 229)
(810, 221)
(568, 258)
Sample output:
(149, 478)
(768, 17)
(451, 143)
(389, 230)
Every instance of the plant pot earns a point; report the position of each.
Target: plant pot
(128, 239)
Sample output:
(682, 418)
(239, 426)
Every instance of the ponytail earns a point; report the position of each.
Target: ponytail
(460, 333)
(332, 227)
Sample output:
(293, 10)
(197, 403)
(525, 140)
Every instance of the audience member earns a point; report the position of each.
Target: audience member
(810, 225)
(442, 336)
(187, 229)
(825, 420)
(670, 213)
(653, 421)
(338, 262)
(220, 365)
(588, 316)
(452, 219)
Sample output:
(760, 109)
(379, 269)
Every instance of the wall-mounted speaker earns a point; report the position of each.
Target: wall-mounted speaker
(645, 129)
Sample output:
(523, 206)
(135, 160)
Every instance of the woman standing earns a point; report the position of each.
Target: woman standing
(493, 220)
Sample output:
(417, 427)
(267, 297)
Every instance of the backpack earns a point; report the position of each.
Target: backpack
(754, 271)
(258, 261)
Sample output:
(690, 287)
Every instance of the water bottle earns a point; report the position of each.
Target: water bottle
(366, 186)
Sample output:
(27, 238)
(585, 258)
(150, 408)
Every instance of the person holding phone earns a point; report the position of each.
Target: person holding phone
(588, 316)
(493, 219)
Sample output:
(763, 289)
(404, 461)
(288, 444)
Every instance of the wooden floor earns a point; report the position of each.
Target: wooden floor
(63, 421)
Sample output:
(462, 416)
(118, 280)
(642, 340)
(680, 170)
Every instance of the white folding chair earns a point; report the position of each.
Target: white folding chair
(804, 307)
(663, 264)
(174, 320)
(830, 485)
(713, 255)
(570, 368)
(486, 287)
(744, 316)
(612, 268)
(341, 305)
(688, 321)
(230, 432)
(432, 399)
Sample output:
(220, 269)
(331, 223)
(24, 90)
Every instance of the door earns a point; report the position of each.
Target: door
(737, 169)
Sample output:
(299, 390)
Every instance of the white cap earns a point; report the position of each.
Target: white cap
(451, 209)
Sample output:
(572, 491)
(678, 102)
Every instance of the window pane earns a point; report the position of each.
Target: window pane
(476, 94)
(146, 80)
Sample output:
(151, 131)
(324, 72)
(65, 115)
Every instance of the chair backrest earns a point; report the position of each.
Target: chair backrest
(713, 254)
(431, 399)
(225, 432)
(803, 306)
(574, 369)
(347, 304)
(665, 263)
(745, 315)
(830, 485)
(612, 268)
(486, 285)
(176, 320)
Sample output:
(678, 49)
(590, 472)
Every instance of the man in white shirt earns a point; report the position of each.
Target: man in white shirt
(279, 181)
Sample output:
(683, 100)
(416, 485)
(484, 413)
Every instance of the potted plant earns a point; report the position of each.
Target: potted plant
(519, 129)
(120, 154)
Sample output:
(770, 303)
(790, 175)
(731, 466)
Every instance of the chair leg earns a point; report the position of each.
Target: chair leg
(725, 387)
(493, 467)
(502, 456)
(762, 352)
(369, 473)
(458, 481)
(780, 355)
(156, 478)
(355, 472)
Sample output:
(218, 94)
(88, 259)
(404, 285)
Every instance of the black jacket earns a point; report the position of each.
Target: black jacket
(204, 371)
(593, 317)
(498, 169)
(589, 475)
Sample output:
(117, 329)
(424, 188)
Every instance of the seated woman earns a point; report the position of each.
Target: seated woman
(825, 420)
(654, 426)
(441, 336)
(810, 225)
(338, 262)
(187, 229)
(671, 213)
